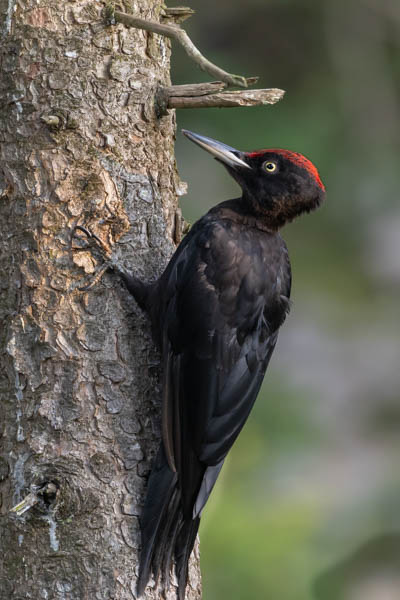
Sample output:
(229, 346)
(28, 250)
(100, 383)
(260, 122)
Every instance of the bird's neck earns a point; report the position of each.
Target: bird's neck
(241, 210)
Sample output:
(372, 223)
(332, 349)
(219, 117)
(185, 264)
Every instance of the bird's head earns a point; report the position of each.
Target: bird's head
(278, 184)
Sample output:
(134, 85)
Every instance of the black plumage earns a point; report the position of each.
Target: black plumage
(216, 312)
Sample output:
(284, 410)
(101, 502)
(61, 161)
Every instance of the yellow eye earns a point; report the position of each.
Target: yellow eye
(271, 167)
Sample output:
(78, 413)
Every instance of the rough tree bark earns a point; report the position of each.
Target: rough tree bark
(79, 375)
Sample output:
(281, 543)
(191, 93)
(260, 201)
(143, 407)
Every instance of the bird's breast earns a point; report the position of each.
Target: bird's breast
(246, 269)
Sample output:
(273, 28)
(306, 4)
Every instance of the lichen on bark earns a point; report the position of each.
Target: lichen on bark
(80, 143)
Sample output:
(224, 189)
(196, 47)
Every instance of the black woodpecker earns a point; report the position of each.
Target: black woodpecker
(216, 312)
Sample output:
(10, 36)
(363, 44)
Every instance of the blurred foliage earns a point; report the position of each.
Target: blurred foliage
(313, 479)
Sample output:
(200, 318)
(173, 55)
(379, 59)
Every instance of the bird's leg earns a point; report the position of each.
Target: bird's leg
(95, 279)
(137, 288)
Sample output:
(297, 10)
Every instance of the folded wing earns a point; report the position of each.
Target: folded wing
(225, 297)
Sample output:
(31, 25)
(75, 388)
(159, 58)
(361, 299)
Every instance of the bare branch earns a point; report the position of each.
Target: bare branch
(175, 32)
(200, 89)
(194, 89)
(228, 99)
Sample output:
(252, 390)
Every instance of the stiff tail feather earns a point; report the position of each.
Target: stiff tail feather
(183, 549)
(165, 531)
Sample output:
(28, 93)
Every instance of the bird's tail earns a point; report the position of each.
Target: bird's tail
(165, 531)
(183, 549)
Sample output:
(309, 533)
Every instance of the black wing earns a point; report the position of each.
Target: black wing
(225, 295)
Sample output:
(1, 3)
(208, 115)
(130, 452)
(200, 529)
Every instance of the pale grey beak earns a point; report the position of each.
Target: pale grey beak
(226, 154)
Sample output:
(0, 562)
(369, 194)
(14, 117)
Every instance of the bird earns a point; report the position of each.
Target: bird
(215, 313)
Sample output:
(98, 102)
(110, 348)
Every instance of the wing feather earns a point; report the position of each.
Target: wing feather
(219, 326)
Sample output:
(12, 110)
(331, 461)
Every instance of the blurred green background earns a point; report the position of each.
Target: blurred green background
(308, 503)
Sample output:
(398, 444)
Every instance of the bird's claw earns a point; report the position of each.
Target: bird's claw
(93, 237)
(87, 232)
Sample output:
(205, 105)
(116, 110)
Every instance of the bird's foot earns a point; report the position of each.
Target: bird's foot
(105, 251)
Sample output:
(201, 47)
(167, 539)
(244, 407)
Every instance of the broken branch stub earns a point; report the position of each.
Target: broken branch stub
(228, 99)
(200, 89)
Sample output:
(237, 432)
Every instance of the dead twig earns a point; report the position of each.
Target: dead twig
(177, 33)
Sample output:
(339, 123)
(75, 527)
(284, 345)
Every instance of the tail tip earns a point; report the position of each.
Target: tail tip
(142, 582)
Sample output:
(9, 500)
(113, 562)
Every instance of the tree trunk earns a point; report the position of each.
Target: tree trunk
(80, 377)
